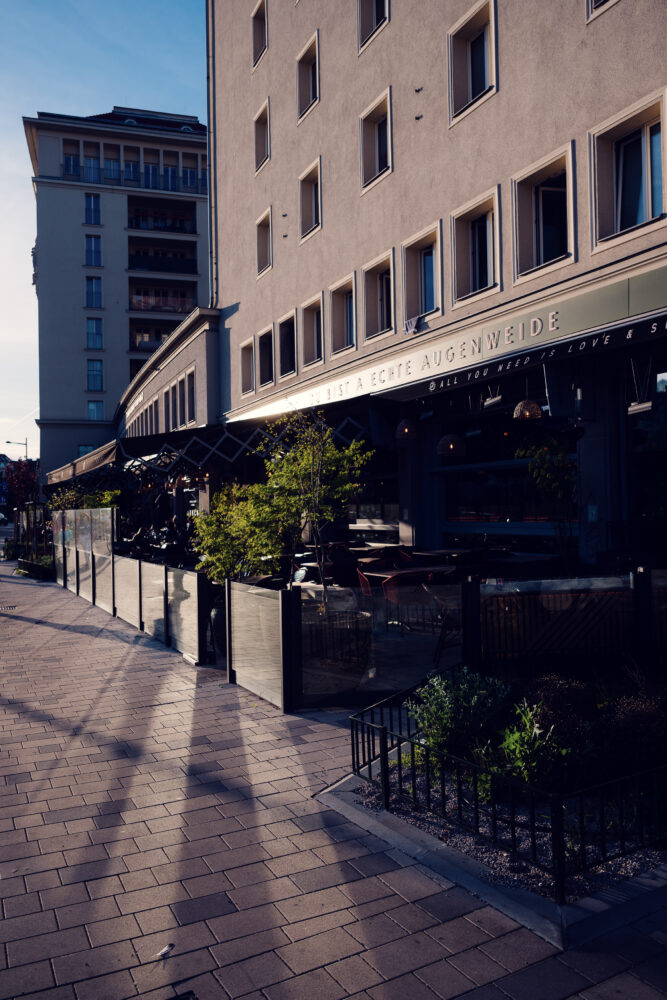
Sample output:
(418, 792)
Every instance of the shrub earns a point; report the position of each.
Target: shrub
(631, 733)
(568, 707)
(528, 751)
(455, 716)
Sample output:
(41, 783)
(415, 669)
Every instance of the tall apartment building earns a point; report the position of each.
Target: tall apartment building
(121, 256)
(448, 223)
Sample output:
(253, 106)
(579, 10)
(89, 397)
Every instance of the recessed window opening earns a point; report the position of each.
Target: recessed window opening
(93, 251)
(375, 141)
(262, 137)
(477, 65)
(94, 340)
(378, 293)
(372, 14)
(342, 316)
(287, 346)
(264, 243)
(312, 333)
(420, 272)
(474, 250)
(481, 252)
(550, 211)
(307, 77)
(266, 359)
(259, 41)
(92, 214)
(181, 402)
(309, 200)
(167, 424)
(638, 162)
(192, 399)
(94, 293)
(94, 383)
(174, 407)
(471, 58)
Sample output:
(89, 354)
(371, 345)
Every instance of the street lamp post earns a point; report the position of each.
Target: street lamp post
(23, 444)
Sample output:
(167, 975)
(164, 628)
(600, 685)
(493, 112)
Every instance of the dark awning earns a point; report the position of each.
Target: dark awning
(103, 455)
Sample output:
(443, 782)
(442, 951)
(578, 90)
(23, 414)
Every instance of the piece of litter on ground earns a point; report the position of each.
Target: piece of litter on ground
(168, 948)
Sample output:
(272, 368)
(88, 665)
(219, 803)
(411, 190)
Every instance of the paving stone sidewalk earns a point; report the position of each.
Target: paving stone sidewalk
(145, 804)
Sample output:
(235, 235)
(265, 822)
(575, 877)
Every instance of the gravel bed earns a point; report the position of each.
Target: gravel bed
(504, 870)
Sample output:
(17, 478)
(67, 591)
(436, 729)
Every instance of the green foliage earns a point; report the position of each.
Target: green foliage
(238, 537)
(456, 716)
(22, 483)
(529, 751)
(551, 467)
(102, 498)
(73, 498)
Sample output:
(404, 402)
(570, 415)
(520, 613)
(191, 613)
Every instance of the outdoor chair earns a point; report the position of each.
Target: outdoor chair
(406, 602)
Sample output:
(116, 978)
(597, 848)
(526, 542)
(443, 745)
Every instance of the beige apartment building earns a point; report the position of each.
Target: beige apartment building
(121, 257)
(426, 214)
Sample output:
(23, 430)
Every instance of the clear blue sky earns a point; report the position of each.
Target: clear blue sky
(74, 57)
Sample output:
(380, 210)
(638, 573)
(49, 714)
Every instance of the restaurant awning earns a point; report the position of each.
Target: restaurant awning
(103, 455)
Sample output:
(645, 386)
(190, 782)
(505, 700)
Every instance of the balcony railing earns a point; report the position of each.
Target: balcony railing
(146, 346)
(151, 180)
(171, 265)
(162, 303)
(160, 224)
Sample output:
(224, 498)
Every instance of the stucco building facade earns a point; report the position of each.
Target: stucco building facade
(121, 257)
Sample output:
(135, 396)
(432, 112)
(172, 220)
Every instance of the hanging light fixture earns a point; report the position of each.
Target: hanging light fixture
(406, 432)
(451, 446)
(527, 409)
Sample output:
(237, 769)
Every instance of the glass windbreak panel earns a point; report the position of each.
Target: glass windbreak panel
(255, 620)
(126, 573)
(183, 612)
(152, 600)
(551, 215)
(655, 147)
(427, 279)
(631, 193)
(478, 65)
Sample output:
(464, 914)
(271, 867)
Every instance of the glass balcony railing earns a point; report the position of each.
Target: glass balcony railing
(162, 303)
(168, 265)
(151, 179)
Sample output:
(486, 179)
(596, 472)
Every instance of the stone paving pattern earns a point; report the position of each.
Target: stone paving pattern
(144, 803)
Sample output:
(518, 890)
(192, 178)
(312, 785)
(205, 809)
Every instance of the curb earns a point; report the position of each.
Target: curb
(566, 926)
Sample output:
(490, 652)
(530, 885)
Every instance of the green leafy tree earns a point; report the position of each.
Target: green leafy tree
(311, 479)
(22, 482)
(237, 538)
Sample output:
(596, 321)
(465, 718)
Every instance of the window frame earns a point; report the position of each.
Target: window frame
(482, 17)
(264, 108)
(191, 397)
(377, 268)
(365, 119)
(94, 375)
(316, 300)
(96, 209)
(279, 375)
(468, 214)
(593, 11)
(415, 245)
(97, 333)
(248, 345)
(603, 181)
(533, 177)
(99, 408)
(315, 197)
(93, 254)
(268, 214)
(90, 280)
(303, 110)
(363, 43)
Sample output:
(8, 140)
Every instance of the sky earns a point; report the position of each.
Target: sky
(78, 57)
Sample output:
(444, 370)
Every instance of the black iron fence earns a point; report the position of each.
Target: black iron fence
(560, 834)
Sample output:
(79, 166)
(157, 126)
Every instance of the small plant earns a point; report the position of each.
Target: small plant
(529, 751)
(458, 715)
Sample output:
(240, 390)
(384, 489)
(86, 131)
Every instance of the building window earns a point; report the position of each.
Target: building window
(543, 214)
(343, 313)
(265, 341)
(595, 7)
(93, 251)
(94, 383)
(181, 402)
(95, 409)
(72, 169)
(627, 171)
(311, 325)
(375, 140)
(156, 417)
(93, 293)
(192, 402)
(112, 171)
(247, 367)
(475, 247)
(92, 215)
(94, 340)
(421, 273)
(371, 15)
(263, 225)
(310, 204)
(287, 346)
(378, 297)
(85, 449)
(472, 59)
(307, 77)
(167, 415)
(131, 171)
(91, 169)
(174, 407)
(262, 140)
(259, 32)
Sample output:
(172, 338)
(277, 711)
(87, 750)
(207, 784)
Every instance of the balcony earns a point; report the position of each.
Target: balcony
(162, 303)
(162, 224)
(167, 265)
(168, 180)
(145, 346)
